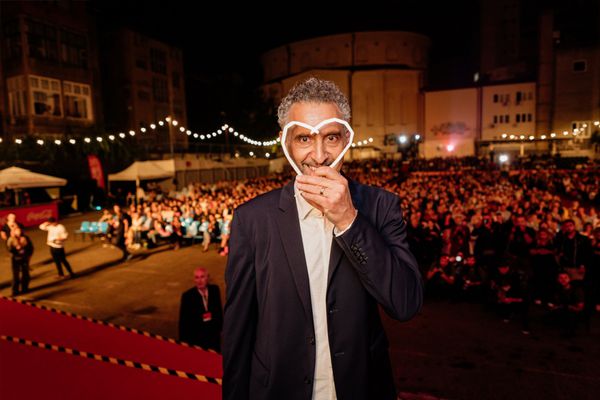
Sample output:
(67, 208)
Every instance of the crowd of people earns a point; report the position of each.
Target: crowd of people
(197, 213)
(507, 238)
(510, 238)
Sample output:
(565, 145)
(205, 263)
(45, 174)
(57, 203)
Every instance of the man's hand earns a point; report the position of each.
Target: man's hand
(328, 191)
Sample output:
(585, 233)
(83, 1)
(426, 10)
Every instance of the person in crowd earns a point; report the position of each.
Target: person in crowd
(10, 224)
(201, 313)
(509, 294)
(57, 235)
(20, 248)
(568, 304)
(573, 251)
(544, 267)
(520, 240)
(470, 280)
(440, 279)
(177, 233)
(159, 233)
(224, 249)
(120, 226)
(106, 216)
(211, 232)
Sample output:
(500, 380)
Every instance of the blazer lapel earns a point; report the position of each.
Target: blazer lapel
(291, 238)
(336, 251)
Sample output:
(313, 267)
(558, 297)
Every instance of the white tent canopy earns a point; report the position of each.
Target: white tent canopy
(144, 170)
(19, 178)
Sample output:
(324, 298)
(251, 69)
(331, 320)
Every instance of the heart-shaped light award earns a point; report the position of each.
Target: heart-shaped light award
(315, 130)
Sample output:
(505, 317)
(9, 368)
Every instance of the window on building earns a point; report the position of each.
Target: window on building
(518, 98)
(507, 118)
(523, 117)
(579, 66)
(73, 49)
(159, 90)
(17, 96)
(495, 119)
(518, 118)
(176, 80)
(12, 40)
(42, 41)
(45, 96)
(495, 98)
(158, 61)
(78, 100)
(528, 117)
(502, 119)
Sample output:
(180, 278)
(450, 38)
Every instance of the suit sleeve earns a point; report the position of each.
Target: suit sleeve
(217, 307)
(184, 320)
(383, 261)
(240, 318)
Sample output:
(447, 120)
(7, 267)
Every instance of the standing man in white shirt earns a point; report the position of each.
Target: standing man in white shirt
(310, 264)
(57, 234)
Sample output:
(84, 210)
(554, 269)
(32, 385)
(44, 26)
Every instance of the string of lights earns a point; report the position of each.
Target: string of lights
(553, 135)
(152, 127)
(226, 128)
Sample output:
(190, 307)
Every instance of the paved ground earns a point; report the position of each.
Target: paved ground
(454, 351)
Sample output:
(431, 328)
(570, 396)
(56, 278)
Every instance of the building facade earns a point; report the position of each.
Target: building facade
(382, 73)
(143, 83)
(50, 76)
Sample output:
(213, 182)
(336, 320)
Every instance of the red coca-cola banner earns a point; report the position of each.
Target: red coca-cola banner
(31, 215)
(96, 170)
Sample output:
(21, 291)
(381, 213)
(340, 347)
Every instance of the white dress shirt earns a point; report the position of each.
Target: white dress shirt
(317, 235)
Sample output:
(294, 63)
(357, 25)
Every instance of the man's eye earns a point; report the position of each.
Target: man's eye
(333, 138)
(303, 139)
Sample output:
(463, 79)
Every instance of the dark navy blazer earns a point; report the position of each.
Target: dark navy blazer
(268, 337)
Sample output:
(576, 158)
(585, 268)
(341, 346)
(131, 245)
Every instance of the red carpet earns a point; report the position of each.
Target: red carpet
(114, 364)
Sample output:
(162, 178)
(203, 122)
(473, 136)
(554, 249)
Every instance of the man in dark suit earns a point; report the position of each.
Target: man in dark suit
(308, 266)
(201, 313)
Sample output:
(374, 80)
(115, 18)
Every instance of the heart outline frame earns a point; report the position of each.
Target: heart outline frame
(315, 131)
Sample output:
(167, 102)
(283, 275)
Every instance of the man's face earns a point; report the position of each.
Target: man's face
(569, 227)
(414, 220)
(308, 150)
(201, 279)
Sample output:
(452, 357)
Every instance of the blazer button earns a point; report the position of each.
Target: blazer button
(311, 340)
(307, 380)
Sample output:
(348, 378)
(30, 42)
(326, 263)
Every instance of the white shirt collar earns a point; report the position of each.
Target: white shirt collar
(304, 207)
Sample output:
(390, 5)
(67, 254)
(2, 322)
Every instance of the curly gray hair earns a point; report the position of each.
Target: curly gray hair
(313, 90)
